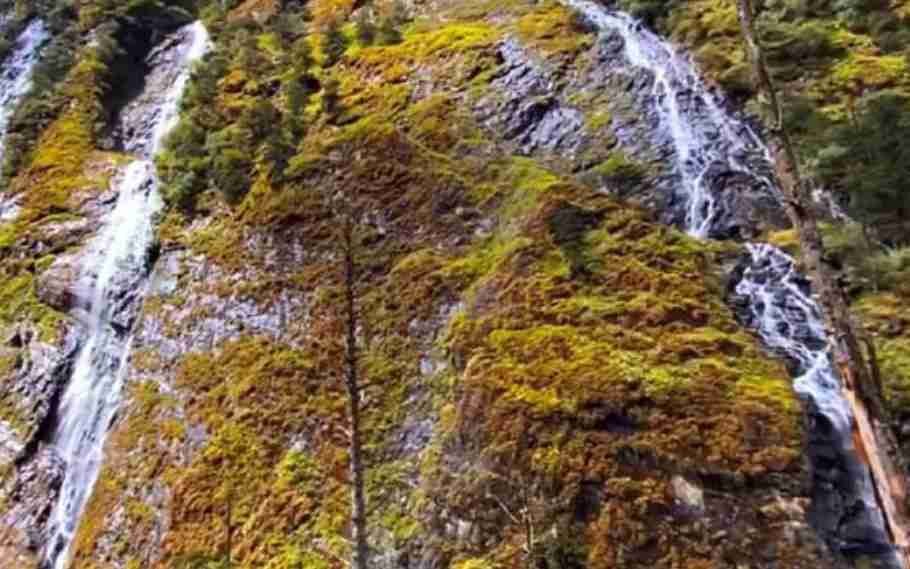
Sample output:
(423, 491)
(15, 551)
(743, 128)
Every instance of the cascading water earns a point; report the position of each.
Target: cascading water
(15, 81)
(789, 322)
(780, 305)
(16, 73)
(701, 132)
(117, 264)
(781, 309)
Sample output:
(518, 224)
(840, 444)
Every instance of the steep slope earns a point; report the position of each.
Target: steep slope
(555, 376)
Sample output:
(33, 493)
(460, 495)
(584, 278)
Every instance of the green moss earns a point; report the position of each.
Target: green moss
(554, 30)
(18, 301)
(599, 120)
(870, 71)
(591, 349)
(619, 168)
(885, 316)
(436, 44)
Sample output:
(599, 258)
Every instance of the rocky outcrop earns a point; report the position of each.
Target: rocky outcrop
(136, 123)
(32, 384)
(31, 493)
(745, 206)
(534, 349)
(527, 108)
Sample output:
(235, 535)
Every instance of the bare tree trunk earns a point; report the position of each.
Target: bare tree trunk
(228, 524)
(352, 384)
(859, 374)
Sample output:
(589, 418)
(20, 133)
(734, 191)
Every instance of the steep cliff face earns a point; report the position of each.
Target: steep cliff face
(556, 374)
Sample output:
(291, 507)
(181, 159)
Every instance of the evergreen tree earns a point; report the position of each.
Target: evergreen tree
(297, 96)
(366, 30)
(231, 163)
(249, 57)
(276, 153)
(868, 157)
(334, 43)
(331, 100)
(259, 120)
(387, 33)
(302, 56)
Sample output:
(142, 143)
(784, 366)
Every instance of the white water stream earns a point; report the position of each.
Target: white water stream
(16, 72)
(15, 81)
(115, 269)
(701, 131)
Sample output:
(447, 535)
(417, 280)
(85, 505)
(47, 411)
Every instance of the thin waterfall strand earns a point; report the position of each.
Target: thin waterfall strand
(117, 261)
(695, 142)
(15, 82)
(16, 73)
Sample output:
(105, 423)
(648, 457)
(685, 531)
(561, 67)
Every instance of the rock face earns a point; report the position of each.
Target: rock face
(15, 79)
(527, 107)
(142, 122)
(38, 374)
(531, 108)
(743, 205)
(32, 493)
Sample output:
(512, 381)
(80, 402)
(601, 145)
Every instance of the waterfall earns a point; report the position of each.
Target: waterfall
(781, 308)
(16, 73)
(789, 322)
(15, 81)
(114, 273)
(701, 132)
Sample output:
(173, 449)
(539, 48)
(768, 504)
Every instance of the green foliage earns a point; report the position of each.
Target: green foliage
(787, 43)
(868, 159)
(334, 44)
(331, 99)
(231, 165)
(365, 29)
(554, 30)
(388, 33)
(620, 169)
(649, 11)
(202, 562)
(574, 310)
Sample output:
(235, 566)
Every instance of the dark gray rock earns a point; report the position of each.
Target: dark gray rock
(525, 106)
(31, 493)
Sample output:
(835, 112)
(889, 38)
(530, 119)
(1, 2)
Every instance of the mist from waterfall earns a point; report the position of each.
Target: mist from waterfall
(113, 277)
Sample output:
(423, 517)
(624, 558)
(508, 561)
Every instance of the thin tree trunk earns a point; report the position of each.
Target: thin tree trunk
(228, 523)
(859, 377)
(352, 383)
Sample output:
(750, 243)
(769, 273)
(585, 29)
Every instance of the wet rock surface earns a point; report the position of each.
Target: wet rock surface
(137, 122)
(528, 109)
(744, 205)
(196, 306)
(840, 509)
